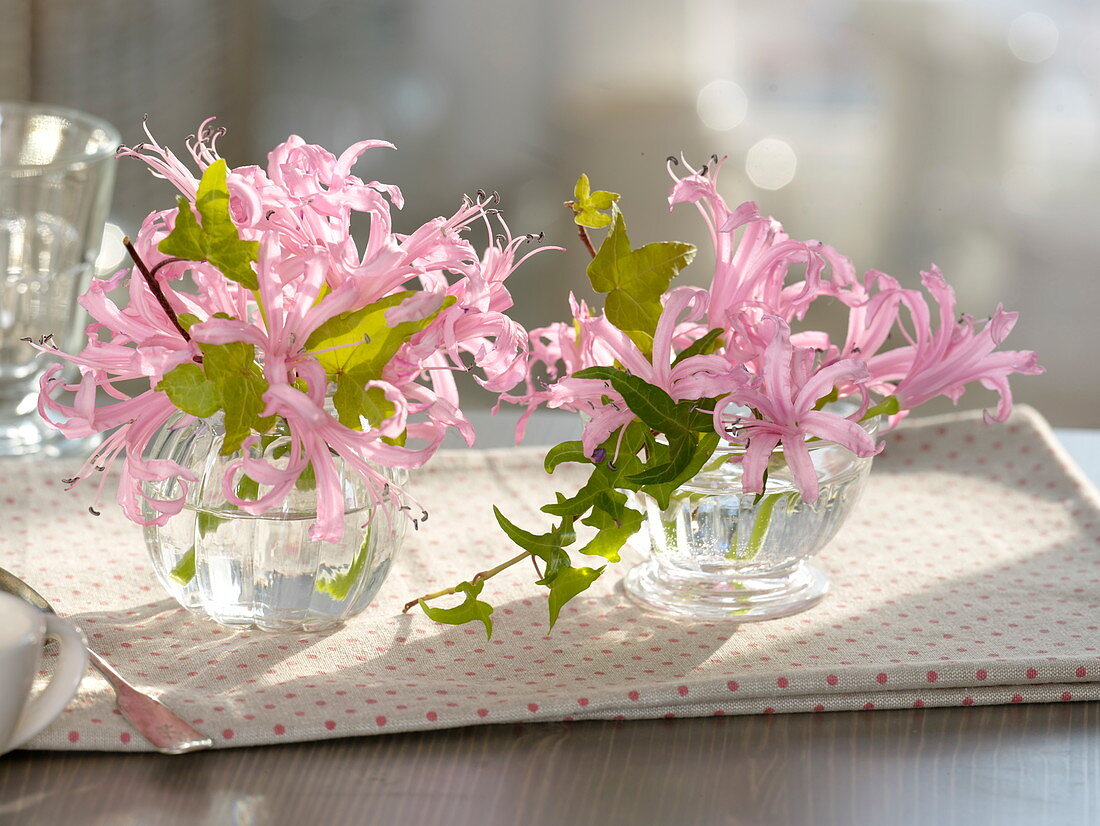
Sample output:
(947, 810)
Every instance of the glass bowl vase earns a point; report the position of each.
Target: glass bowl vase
(264, 571)
(718, 553)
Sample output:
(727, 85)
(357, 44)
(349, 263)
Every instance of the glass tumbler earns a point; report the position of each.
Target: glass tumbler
(57, 171)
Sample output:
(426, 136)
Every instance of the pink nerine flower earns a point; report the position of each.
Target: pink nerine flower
(784, 405)
(767, 381)
(449, 298)
(943, 361)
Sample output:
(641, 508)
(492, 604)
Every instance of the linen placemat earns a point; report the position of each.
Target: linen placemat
(968, 575)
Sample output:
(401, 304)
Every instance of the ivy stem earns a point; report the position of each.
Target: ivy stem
(480, 576)
(583, 233)
(155, 287)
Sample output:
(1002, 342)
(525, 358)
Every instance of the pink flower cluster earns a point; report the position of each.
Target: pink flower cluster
(768, 379)
(309, 270)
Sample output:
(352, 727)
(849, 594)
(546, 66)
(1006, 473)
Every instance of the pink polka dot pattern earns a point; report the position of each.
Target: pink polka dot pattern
(968, 575)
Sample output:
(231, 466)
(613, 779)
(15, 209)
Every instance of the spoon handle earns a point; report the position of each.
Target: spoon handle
(154, 721)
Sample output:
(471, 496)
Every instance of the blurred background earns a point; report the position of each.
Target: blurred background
(902, 132)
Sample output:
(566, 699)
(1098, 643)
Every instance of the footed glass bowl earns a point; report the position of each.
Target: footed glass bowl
(718, 553)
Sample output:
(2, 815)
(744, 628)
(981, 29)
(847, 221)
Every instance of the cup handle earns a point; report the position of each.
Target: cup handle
(71, 664)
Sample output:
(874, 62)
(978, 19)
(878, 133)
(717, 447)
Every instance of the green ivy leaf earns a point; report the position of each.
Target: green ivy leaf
(567, 584)
(232, 367)
(216, 240)
(187, 320)
(615, 523)
(650, 403)
(702, 346)
(556, 561)
(828, 398)
(564, 452)
(681, 450)
(704, 449)
(587, 205)
(541, 545)
(365, 344)
(248, 488)
(634, 280)
(190, 390)
(355, 402)
(470, 610)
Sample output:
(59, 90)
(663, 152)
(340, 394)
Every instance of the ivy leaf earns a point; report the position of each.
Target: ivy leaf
(190, 390)
(615, 523)
(564, 452)
(470, 610)
(216, 240)
(704, 449)
(635, 280)
(355, 402)
(587, 205)
(702, 346)
(650, 403)
(681, 450)
(187, 320)
(541, 545)
(621, 461)
(365, 344)
(248, 488)
(232, 367)
(890, 406)
(601, 373)
(567, 584)
(556, 561)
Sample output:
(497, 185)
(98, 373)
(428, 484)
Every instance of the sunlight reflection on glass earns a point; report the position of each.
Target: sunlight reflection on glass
(41, 143)
(722, 105)
(1033, 37)
(111, 250)
(771, 163)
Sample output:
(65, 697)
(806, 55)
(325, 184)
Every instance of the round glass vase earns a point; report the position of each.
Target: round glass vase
(264, 571)
(718, 553)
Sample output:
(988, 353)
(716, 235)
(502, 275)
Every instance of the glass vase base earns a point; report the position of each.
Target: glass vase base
(282, 623)
(277, 626)
(752, 598)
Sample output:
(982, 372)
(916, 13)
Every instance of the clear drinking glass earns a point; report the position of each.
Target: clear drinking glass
(57, 171)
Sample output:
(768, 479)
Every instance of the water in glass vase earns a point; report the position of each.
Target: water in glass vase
(265, 571)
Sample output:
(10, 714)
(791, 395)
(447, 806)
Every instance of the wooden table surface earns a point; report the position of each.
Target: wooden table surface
(1003, 765)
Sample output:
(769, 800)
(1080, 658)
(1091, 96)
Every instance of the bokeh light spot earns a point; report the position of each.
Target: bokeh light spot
(771, 163)
(722, 105)
(1033, 37)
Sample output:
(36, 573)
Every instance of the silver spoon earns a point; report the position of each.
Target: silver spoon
(154, 721)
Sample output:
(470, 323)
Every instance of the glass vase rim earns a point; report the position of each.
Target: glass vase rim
(91, 123)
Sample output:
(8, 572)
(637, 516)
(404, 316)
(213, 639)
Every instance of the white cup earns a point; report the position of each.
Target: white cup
(23, 630)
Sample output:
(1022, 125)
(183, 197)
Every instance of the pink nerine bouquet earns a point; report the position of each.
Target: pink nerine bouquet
(665, 375)
(251, 301)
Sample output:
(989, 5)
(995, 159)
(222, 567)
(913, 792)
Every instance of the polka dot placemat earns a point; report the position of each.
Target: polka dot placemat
(969, 575)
